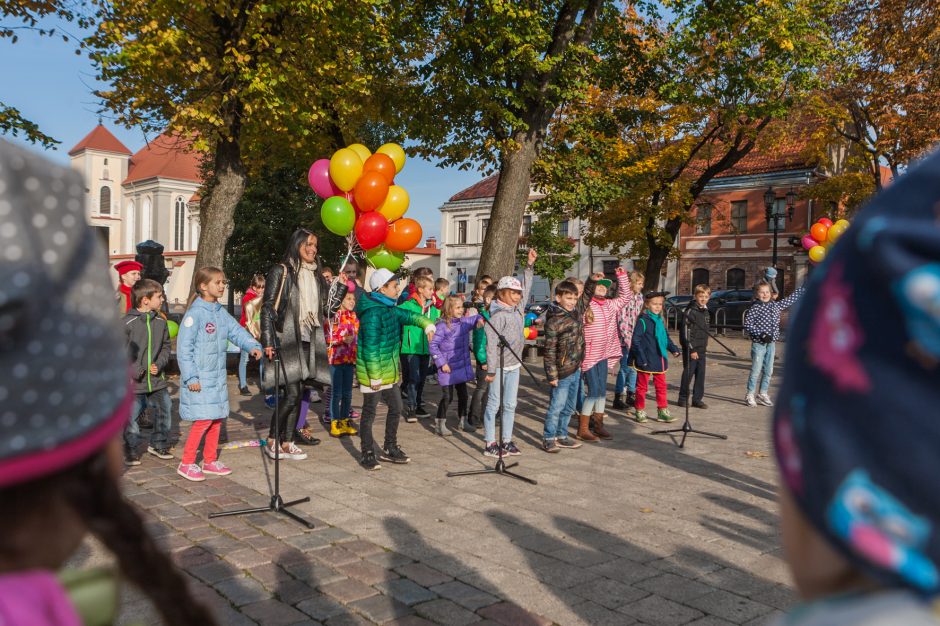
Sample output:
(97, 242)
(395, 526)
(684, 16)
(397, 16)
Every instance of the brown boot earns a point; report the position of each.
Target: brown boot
(597, 426)
(584, 433)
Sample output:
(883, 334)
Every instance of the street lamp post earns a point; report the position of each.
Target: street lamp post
(775, 213)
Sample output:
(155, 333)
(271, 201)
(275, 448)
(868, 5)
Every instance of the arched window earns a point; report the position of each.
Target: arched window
(735, 278)
(700, 276)
(104, 203)
(130, 226)
(179, 235)
(146, 220)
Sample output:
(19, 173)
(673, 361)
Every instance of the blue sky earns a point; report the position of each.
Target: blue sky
(52, 86)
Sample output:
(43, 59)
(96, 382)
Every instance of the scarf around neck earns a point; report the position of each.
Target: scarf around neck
(662, 339)
(309, 296)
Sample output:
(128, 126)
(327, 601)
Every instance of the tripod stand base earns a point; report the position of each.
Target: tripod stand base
(685, 430)
(277, 505)
(501, 468)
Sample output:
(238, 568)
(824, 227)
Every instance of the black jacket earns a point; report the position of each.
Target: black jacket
(693, 328)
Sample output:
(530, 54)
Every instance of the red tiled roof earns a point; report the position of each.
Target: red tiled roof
(486, 188)
(791, 156)
(425, 251)
(100, 138)
(167, 156)
(195, 197)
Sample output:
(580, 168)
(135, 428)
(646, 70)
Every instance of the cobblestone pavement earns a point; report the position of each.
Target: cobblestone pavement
(628, 531)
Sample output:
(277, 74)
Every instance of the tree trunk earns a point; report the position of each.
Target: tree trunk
(498, 257)
(218, 210)
(658, 253)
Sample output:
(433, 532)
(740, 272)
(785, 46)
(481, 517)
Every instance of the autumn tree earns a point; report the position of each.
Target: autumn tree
(495, 73)
(555, 249)
(633, 159)
(251, 81)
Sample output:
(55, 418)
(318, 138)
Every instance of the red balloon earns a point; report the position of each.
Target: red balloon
(381, 163)
(370, 191)
(371, 230)
(403, 235)
(825, 221)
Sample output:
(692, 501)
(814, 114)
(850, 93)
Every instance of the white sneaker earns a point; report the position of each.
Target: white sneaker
(293, 452)
(763, 398)
(749, 400)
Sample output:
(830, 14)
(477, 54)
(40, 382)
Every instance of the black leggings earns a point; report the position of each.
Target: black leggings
(478, 403)
(447, 397)
(288, 410)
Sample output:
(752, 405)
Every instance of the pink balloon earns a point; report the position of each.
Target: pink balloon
(319, 179)
(808, 242)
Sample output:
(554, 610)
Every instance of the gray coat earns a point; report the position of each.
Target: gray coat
(148, 343)
(281, 326)
(510, 322)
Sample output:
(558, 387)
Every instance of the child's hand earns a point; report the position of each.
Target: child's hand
(693, 356)
(676, 354)
(153, 369)
(553, 383)
(429, 331)
(483, 367)
(376, 386)
(620, 271)
(269, 352)
(195, 387)
(533, 255)
(445, 368)
(255, 354)
(481, 323)
(348, 339)
(490, 378)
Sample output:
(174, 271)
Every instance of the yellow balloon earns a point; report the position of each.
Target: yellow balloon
(835, 231)
(396, 153)
(396, 203)
(817, 254)
(843, 223)
(345, 168)
(361, 150)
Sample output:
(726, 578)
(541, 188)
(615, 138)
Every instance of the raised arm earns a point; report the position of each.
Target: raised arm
(792, 299)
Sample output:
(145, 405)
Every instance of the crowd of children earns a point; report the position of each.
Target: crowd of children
(389, 341)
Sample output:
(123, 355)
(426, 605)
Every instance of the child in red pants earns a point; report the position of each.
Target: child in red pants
(649, 356)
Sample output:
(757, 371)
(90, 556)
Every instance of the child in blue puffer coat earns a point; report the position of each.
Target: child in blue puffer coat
(200, 352)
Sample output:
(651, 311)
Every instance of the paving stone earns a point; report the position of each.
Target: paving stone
(333, 556)
(464, 595)
(269, 575)
(736, 581)
(363, 548)
(608, 593)
(308, 541)
(367, 572)
(624, 570)
(381, 608)
(390, 560)
(314, 574)
(711, 620)
(674, 587)
(272, 613)
(348, 590)
(730, 606)
(321, 607)
(410, 620)
(563, 575)
(334, 534)
(582, 557)
(596, 615)
(246, 557)
(778, 597)
(405, 590)
(512, 615)
(659, 611)
(214, 572)
(348, 619)
(193, 556)
(442, 611)
(202, 533)
(423, 575)
(242, 591)
(293, 591)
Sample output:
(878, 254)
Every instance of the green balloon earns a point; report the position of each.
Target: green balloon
(380, 258)
(173, 327)
(338, 215)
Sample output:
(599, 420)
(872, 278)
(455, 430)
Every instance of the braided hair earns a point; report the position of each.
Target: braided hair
(92, 492)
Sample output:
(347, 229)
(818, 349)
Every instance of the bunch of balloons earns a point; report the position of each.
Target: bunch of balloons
(362, 202)
(530, 331)
(821, 236)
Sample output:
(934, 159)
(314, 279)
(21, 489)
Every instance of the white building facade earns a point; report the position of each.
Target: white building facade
(465, 218)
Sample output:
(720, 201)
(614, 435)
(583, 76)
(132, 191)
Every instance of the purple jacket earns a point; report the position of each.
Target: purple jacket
(451, 346)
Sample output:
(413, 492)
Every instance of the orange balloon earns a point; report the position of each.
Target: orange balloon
(403, 235)
(381, 163)
(819, 232)
(370, 191)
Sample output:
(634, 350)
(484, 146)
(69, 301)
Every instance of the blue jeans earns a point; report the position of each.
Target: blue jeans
(161, 404)
(596, 378)
(243, 370)
(564, 397)
(418, 369)
(762, 358)
(626, 377)
(341, 378)
(510, 392)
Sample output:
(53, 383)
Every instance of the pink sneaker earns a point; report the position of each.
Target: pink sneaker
(216, 467)
(191, 472)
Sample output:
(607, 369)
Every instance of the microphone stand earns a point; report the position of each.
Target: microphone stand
(277, 504)
(500, 468)
(686, 427)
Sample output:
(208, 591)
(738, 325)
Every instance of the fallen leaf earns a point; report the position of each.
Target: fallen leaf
(755, 454)
(646, 510)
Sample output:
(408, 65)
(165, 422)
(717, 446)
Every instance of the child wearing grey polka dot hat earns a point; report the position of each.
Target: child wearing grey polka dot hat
(64, 399)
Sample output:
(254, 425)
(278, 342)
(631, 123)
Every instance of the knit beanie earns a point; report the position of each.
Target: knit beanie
(857, 423)
(63, 370)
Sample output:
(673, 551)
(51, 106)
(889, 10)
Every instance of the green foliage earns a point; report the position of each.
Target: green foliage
(276, 202)
(13, 123)
(555, 256)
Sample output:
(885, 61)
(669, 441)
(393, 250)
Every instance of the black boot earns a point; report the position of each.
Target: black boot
(618, 402)
(631, 399)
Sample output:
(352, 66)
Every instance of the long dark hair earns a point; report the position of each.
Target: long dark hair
(291, 256)
(90, 489)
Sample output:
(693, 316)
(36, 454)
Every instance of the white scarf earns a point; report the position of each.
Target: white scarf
(309, 298)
